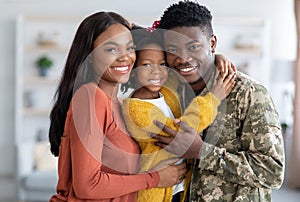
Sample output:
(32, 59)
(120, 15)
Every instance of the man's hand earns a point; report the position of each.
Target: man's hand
(183, 143)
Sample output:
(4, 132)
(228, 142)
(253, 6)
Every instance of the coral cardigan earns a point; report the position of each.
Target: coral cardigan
(98, 160)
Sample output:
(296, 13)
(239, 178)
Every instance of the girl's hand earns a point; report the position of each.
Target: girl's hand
(223, 86)
(224, 65)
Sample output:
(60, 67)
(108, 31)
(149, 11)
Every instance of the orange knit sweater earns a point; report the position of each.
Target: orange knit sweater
(98, 159)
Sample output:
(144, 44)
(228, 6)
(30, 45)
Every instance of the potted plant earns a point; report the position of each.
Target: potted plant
(284, 127)
(44, 63)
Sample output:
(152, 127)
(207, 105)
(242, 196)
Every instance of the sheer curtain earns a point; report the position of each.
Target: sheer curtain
(294, 177)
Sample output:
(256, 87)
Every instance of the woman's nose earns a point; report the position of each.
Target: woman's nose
(123, 56)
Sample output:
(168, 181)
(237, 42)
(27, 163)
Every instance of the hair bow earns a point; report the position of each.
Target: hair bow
(154, 26)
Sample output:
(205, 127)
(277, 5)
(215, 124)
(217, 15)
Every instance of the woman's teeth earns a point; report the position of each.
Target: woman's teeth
(124, 68)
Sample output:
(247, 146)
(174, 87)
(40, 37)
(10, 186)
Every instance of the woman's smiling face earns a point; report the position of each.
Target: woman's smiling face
(114, 55)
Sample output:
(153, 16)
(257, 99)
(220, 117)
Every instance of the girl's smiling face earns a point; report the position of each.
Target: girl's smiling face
(151, 71)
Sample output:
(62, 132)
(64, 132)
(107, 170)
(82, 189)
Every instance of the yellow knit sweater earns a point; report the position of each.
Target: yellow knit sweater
(139, 116)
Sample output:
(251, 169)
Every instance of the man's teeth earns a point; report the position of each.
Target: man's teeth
(121, 68)
(187, 69)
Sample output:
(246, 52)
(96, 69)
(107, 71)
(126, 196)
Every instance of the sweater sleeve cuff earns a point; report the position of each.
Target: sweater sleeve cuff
(153, 179)
(214, 100)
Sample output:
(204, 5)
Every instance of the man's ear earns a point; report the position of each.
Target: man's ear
(213, 43)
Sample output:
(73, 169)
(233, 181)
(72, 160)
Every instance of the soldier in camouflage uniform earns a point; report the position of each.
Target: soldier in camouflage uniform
(240, 156)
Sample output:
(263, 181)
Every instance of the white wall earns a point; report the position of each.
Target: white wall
(279, 12)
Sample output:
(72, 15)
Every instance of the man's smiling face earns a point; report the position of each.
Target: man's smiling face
(189, 51)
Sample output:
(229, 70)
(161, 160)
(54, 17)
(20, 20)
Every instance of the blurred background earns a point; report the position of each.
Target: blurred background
(258, 36)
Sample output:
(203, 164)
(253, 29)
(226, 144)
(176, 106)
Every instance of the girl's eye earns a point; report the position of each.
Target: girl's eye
(146, 65)
(164, 65)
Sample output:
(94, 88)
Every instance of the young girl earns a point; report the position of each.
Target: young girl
(98, 160)
(153, 100)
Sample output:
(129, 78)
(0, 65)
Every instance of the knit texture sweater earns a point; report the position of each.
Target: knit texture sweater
(98, 160)
(139, 116)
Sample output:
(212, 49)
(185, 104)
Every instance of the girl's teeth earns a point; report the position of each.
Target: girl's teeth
(154, 81)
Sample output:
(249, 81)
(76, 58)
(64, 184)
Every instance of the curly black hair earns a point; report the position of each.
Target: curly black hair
(187, 14)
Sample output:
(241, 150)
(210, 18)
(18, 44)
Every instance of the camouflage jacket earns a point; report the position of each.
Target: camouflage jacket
(242, 157)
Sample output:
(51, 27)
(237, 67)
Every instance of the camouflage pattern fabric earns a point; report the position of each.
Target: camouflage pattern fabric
(242, 158)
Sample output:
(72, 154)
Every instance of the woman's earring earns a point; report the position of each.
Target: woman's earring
(89, 59)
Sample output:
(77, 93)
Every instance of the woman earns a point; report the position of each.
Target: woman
(98, 160)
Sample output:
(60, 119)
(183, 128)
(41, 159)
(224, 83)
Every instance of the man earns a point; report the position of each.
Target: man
(240, 156)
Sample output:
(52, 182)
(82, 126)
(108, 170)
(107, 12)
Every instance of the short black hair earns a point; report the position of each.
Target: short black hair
(187, 14)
